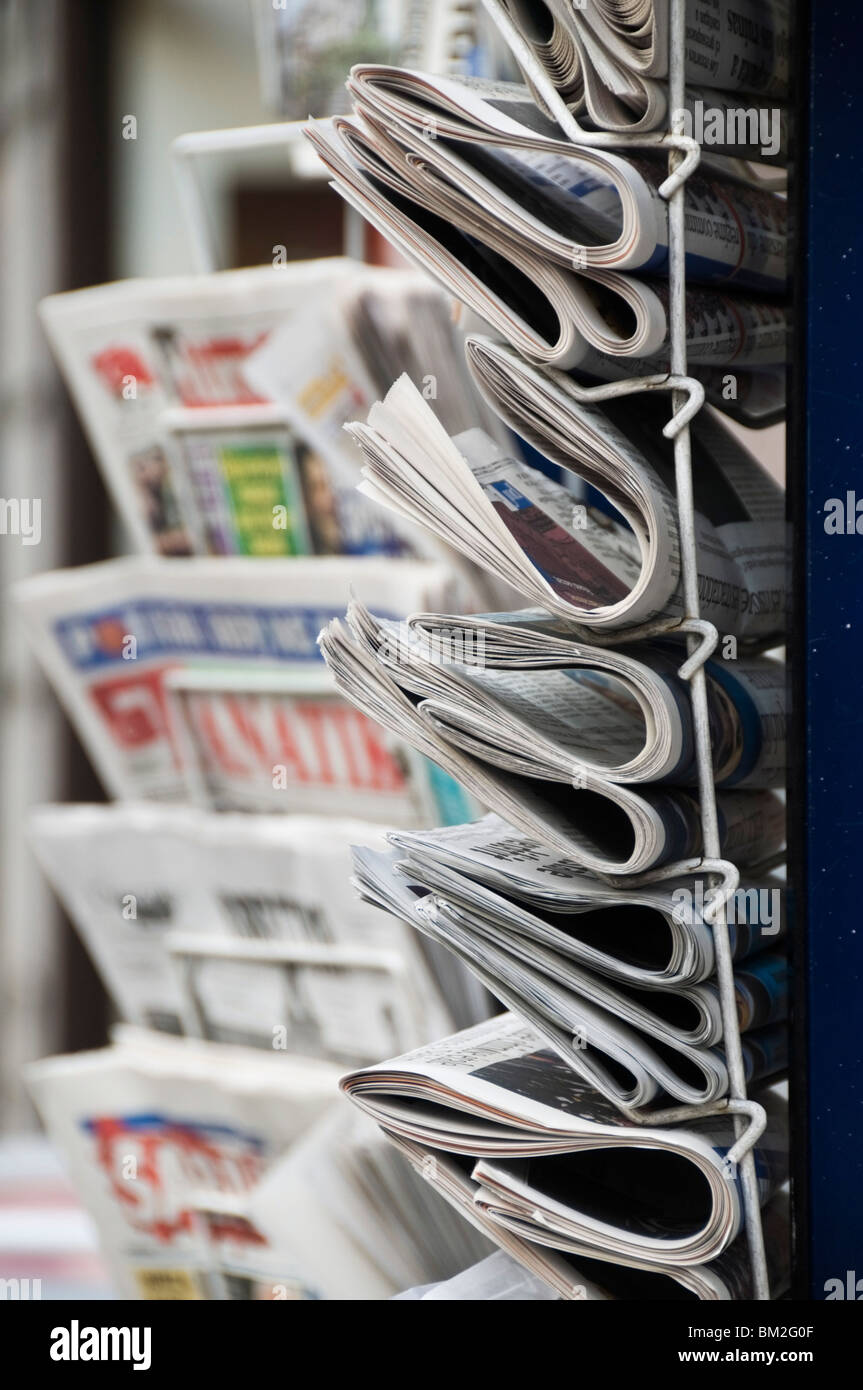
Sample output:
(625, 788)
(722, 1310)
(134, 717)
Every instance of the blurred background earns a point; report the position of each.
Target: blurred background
(80, 204)
(92, 97)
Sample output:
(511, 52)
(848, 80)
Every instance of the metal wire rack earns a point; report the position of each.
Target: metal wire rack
(687, 398)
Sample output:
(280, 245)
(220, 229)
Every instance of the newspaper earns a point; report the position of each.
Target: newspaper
(583, 1278)
(137, 879)
(633, 1044)
(284, 741)
(555, 1162)
(515, 690)
(340, 1003)
(604, 572)
(552, 315)
(108, 634)
(651, 936)
(482, 151)
(215, 1172)
(148, 1124)
(132, 350)
(605, 61)
(605, 826)
(214, 404)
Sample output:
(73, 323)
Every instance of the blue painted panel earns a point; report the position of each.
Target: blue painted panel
(831, 680)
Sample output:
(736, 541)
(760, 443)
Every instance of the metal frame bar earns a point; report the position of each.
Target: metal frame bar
(698, 684)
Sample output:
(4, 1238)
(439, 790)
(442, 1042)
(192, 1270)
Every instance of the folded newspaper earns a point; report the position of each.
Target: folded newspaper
(652, 936)
(605, 572)
(554, 1163)
(552, 315)
(512, 690)
(605, 826)
(483, 151)
(523, 1270)
(632, 1043)
(605, 61)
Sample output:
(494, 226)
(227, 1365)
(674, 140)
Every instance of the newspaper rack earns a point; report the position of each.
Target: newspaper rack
(687, 398)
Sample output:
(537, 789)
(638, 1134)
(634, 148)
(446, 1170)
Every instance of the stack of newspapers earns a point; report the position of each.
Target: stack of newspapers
(563, 251)
(579, 900)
